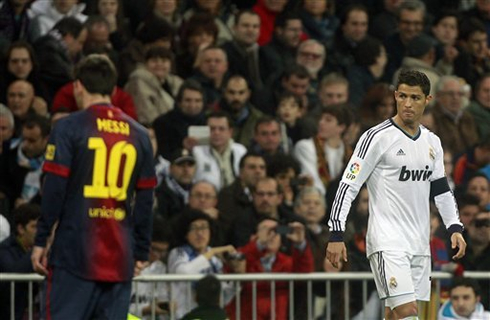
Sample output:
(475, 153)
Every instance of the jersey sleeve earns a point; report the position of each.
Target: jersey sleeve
(147, 178)
(441, 192)
(59, 151)
(366, 156)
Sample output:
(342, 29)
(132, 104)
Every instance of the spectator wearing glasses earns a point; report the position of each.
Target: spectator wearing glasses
(203, 196)
(267, 199)
(454, 125)
(194, 255)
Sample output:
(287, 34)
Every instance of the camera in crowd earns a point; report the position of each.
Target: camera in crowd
(283, 229)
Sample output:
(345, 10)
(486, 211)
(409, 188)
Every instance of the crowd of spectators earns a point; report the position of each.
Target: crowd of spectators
(253, 108)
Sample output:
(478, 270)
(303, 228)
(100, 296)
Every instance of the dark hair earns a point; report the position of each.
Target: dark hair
(265, 119)
(97, 74)
(69, 25)
(35, 120)
(96, 19)
(189, 84)
(286, 95)
(479, 82)
(367, 51)
(465, 282)
(235, 77)
(208, 291)
(219, 115)
(469, 26)
(280, 163)
(22, 44)
(161, 231)
(24, 214)
(444, 13)
(414, 78)
(295, 70)
(240, 13)
(340, 112)
(347, 11)
(467, 199)
(159, 52)
(279, 189)
(412, 5)
(187, 217)
(373, 97)
(199, 23)
(283, 18)
(154, 29)
(247, 155)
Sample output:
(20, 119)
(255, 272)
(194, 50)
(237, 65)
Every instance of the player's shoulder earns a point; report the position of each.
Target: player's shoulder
(379, 131)
(431, 136)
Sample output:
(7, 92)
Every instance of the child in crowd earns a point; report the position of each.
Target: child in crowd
(290, 112)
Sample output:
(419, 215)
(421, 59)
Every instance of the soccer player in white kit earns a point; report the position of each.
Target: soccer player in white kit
(402, 165)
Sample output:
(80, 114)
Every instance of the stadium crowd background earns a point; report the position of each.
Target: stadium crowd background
(286, 89)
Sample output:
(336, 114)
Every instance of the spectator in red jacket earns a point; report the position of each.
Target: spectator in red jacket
(262, 255)
(64, 100)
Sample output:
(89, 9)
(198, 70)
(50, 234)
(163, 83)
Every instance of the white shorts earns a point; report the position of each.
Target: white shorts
(398, 274)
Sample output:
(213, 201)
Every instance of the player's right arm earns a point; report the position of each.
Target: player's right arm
(366, 155)
(57, 169)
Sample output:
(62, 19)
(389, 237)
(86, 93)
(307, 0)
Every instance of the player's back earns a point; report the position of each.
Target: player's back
(105, 155)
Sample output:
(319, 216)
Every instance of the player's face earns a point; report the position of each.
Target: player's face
(199, 234)
(463, 300)
(253, 169)
(410, 103)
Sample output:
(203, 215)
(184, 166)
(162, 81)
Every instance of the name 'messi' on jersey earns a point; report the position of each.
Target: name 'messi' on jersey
(113, 126)
(414, 174)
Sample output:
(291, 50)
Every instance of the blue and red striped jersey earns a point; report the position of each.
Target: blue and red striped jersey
(105, 160)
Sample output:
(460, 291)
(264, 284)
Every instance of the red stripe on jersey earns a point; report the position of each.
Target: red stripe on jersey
(56, 169)
(146, 183)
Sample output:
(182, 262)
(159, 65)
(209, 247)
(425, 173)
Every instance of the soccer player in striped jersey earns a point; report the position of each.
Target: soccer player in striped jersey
(99, 189)
(402, 164)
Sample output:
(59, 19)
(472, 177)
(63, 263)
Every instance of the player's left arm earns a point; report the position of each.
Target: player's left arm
(446, 204)
(142, 212)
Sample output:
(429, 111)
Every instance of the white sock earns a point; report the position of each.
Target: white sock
(411, 318)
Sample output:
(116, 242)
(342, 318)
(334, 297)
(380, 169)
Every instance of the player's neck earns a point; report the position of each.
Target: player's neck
(91, 99)
(411, 128)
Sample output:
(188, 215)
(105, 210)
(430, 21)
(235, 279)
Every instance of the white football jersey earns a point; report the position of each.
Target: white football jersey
(398, 170)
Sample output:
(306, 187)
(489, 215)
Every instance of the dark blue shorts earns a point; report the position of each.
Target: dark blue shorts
(68, 297)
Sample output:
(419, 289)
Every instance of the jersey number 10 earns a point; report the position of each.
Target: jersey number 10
(106, 173)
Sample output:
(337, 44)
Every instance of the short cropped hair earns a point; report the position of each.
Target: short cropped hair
(97, 74)
(414, 78)
(24, 214)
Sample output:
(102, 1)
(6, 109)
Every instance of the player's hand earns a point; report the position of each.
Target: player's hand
(39, 260)
(139, 266)
(457, 240)
(336, 251)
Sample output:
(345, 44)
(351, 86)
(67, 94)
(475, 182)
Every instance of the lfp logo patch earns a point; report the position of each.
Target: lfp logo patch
(353, 171)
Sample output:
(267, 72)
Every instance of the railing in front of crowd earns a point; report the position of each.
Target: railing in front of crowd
(237, 279)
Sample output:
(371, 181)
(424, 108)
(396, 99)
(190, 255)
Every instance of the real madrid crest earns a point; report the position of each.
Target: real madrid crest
(432, 153)
(393, 283)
